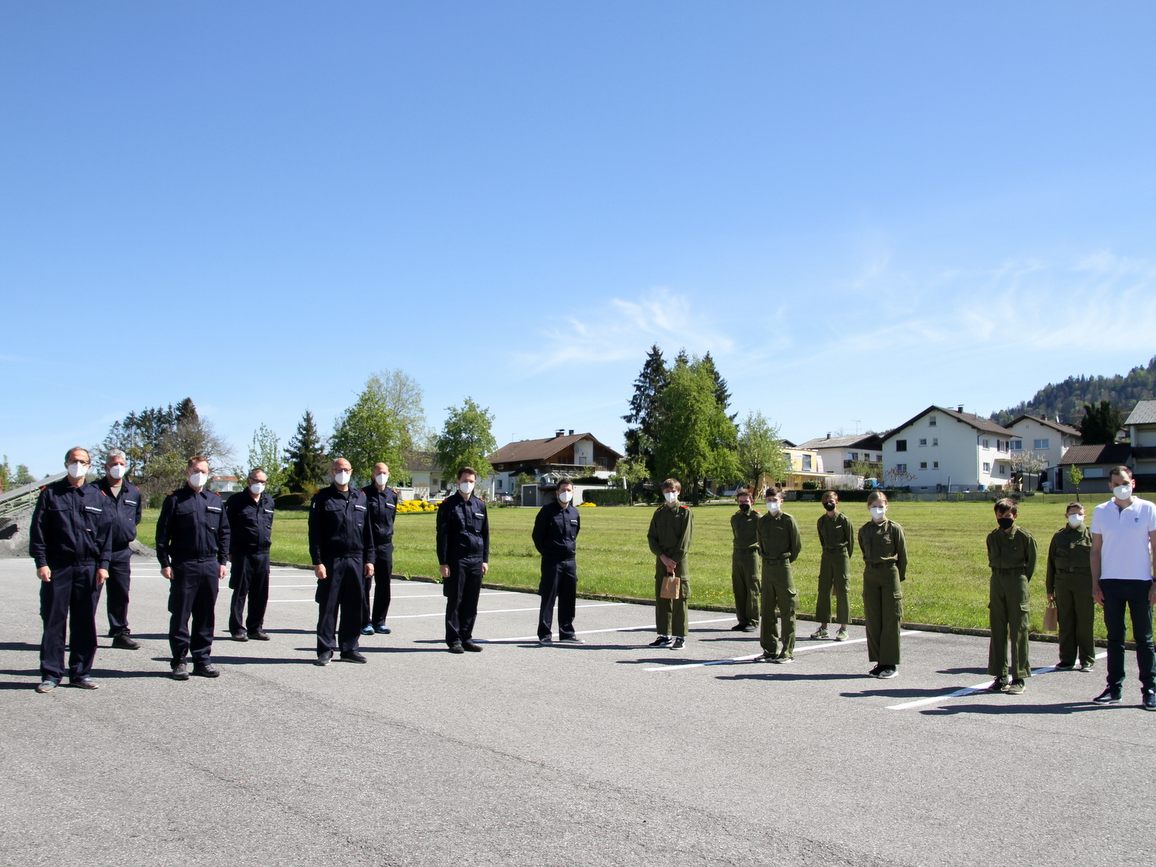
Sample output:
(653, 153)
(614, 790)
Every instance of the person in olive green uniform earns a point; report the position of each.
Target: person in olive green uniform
(1011, 553)
(1069, 586)
(745, 562)
(669, 538)
(837, 540)
(884, 571)
(779, 545)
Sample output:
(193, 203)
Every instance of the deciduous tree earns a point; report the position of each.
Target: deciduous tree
(466, 440)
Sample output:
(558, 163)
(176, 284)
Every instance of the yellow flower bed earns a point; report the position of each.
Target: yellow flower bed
(410, 507)
(585, 505)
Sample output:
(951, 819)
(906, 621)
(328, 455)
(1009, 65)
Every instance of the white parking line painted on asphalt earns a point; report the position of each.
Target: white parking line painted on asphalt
(826, 645)
(393, 617)
(971, 690)
(647, 628)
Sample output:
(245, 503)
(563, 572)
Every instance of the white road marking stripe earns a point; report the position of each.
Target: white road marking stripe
(803, 649)
(971, 690)
(393, 617)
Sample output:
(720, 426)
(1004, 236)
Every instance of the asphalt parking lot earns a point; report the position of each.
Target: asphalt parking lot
(610, 752)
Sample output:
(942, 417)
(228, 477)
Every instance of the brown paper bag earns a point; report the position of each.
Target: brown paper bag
(1051, 618)
(671, 587)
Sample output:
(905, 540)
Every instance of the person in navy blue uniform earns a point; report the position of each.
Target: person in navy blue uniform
(250, 515)
(125, 506)
(341, 547)
(193, 549)
(555, 536)
(70, 541)
(382, 501)
(463, 548)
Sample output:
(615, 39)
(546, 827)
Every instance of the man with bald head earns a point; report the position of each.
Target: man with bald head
(341, 548)
(382, 501)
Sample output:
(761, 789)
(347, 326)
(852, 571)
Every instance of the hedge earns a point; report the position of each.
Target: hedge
(606, 497)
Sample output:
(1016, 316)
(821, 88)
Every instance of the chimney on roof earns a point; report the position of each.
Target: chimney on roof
(828, 434)
(559, 431)
(959, 408)
(571, 432)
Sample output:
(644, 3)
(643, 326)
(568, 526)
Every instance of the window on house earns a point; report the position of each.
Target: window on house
(923, 465)
(986, 467)
(987, 443)
(1017, 445)
(935, 441)
(854, 456)
(901, 468)
(935, 465)
(1040, 444)
(931, 421)
(806, 462)
(923, 443)
(901, 445)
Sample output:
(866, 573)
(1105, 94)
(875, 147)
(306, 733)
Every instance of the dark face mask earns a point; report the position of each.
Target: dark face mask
(829, 506)
(1005, 523)
(744, 507)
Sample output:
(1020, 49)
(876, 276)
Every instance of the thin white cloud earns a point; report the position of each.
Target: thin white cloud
(626, 330)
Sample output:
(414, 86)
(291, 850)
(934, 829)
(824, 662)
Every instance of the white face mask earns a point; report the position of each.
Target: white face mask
(466, 488)
(197, 480)
(1123, 492)
(565, 497)
(381, 479)
(77, 470)
(1075, 521)
(341, 477)
(877, 513)
(257, 488)
(774, 507)
(116, 472)
(671, 497)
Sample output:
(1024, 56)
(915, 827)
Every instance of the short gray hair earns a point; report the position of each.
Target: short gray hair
(115, 453)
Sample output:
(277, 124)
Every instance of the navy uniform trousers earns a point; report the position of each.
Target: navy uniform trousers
(69, 601)
(461, 589)
(559, 581)
(116, 588)
(249, 580)
(193, 591)
(342, 589)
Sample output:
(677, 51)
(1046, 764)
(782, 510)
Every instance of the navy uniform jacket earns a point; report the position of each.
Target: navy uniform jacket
(556, 532)
(250, 523)
(70, 525)
(339, 526)
(192, 526)
(463, 531)
(382, 511)
(125, 509)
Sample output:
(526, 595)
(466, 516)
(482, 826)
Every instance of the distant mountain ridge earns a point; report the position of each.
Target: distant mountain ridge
(1066, 400)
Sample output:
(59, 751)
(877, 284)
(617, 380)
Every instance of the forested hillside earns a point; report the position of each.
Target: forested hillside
(1066, 399)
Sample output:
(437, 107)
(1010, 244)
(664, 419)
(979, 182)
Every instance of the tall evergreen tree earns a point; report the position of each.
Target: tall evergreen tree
(1100, 424)
(305, 454)
(643, 415)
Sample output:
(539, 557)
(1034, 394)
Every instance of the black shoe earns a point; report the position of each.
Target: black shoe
(324, 656)
(678, 644)
(886, 672)
(181, 671)
(1065, 666)
(545, 640)
(124, 641)
(1108, 696)
(353, 656)
(47, 685)
(1149, 701)
(472, 646)
(570, 639)
(205, 669)
(239, 636)
(998, 685)
(748, 628)
(661, 641)
(381, 629)
(739, 627)
(456, 647)
(85, 682)
(259, 635)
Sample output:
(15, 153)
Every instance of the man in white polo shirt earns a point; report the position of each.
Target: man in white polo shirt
(1123, 538)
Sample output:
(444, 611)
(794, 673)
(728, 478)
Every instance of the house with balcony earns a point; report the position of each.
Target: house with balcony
(944, 450)
(1141, 427)
(564, 454)
(1038, 448)
(839, 454)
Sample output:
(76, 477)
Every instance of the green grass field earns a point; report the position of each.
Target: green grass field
(947, 581)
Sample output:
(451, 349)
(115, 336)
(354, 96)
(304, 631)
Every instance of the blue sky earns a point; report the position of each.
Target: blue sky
(859, 208)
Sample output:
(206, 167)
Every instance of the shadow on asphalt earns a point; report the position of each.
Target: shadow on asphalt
(257, 660)
(18, 645)
(1062, 708)
(978, 671)
(779, 674)
(942, 692)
